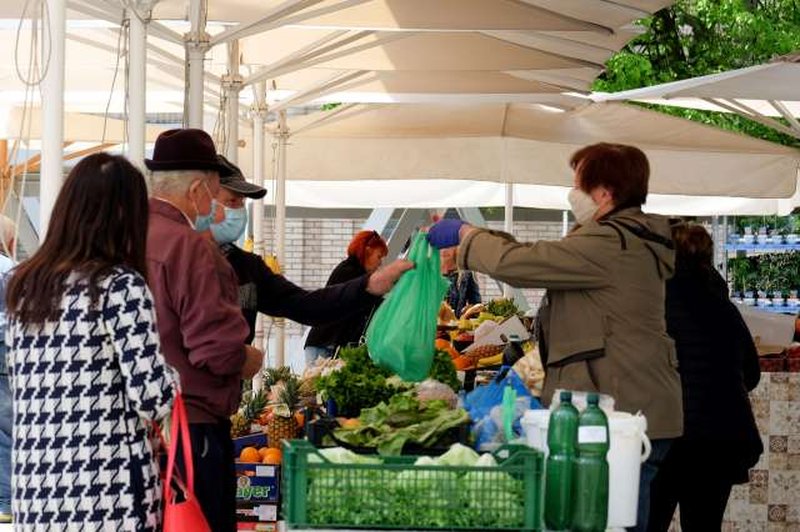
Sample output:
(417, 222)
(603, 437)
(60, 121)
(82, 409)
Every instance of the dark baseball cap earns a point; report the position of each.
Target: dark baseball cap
(235, 181)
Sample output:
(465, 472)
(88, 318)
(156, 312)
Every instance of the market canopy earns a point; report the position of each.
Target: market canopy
(757, 92)
(530, 145)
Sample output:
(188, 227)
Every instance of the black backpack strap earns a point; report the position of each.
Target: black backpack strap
(640, 230)
(612, 225)
(643, 233)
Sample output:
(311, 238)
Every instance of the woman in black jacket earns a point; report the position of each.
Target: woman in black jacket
(718, 366)
(364, 255)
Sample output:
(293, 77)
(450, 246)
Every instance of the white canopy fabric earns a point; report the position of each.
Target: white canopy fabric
(769, 89)
(77, 127)
(446, 193)
(527, 144)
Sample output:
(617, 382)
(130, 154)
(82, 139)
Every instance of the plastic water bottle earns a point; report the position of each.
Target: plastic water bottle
(590, 510)
(562, 439)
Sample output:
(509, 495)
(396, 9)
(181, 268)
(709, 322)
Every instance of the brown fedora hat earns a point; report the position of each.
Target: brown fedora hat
(185, 149)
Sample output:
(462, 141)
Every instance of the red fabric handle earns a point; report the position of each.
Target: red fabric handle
(179, 432)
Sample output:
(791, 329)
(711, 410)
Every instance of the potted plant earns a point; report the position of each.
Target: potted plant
(792, 229)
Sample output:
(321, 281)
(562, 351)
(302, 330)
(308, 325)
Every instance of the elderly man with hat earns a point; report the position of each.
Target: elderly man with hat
(201, 327)
(261, 290)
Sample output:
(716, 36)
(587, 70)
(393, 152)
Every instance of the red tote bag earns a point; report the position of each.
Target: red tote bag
(184, 516)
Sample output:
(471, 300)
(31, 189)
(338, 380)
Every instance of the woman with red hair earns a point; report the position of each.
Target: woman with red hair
(364, 256)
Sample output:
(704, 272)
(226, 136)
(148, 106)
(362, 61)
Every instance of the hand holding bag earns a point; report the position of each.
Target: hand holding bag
(184, 516)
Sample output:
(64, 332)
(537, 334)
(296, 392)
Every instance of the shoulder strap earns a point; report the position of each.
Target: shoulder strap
(643, 232)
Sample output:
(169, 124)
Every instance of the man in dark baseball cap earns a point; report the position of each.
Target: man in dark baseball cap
(262, 290)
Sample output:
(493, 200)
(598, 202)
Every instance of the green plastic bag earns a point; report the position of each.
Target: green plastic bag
(402, 332)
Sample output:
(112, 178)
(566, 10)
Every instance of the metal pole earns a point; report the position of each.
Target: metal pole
(137, 89)
(196, 47)
(280, 226)
(259, 113)
(53, 115)
(508, 226)
(232, 84)
(564, 223)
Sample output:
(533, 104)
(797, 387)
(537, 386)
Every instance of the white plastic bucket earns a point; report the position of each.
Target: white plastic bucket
(534, 425)
(629, 448)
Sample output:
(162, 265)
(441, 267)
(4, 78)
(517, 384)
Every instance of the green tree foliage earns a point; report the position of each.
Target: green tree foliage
(699, 37)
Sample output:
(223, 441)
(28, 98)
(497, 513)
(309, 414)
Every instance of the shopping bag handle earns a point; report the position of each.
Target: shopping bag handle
(179, 432)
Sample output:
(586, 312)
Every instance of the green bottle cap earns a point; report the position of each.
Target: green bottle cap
(566, 396)
(593, 399)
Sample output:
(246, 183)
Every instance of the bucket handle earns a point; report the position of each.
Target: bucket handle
(647, 448)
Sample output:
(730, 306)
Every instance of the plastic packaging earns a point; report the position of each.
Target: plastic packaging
(402, 332)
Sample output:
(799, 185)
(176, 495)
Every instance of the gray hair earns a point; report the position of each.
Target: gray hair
(174, 182)
(8, 233)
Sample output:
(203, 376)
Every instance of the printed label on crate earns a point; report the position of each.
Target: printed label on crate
(592, 435)
(257, 483)
(255, 512)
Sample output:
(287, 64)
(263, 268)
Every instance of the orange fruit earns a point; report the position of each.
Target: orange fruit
(262, 452)
(250, 455)
(352, 423)
(272, 457)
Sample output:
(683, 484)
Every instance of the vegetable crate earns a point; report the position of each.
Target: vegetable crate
(399, 495)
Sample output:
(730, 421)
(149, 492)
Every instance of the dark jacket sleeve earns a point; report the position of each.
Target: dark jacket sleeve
(751, 371)
(473, 291)
(277, 296)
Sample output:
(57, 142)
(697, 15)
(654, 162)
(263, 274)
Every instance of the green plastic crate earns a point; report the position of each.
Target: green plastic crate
(401, 496)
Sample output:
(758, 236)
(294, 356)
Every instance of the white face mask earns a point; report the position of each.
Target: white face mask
(582, 205)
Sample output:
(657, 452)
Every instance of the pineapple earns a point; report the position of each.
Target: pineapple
(283, 425)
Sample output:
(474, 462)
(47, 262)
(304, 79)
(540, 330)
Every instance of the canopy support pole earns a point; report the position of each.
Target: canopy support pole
(196, 47)
(232, 84)
(259, 110)
(280, 227)
(748, 112)
(137, 87)
(319, 89)
(508, 227)
(52, 172)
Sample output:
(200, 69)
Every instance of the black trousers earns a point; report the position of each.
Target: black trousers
(214, 473)
(692, 477)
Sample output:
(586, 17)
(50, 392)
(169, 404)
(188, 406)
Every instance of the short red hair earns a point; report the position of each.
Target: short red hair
(622, 169)
(366, 240)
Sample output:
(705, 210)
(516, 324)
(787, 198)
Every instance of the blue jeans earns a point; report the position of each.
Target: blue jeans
(660, 448)
(6, 421)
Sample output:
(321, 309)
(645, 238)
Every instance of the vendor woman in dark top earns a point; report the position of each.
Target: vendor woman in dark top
(718, 363)
(364, 256)
(261, 290)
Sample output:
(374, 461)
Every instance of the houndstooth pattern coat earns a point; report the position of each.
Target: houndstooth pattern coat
(83, 387)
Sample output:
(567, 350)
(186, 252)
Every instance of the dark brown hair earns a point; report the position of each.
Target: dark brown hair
(622, 169)
(694, 248)
(363, 241)
(99, 221)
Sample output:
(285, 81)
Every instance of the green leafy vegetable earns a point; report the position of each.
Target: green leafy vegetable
(504, 308)
(359, 384)
(390, 425)
(459, 489)
(444, 371)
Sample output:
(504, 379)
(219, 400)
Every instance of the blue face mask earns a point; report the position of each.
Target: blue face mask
(232, 227)
(202, 222)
